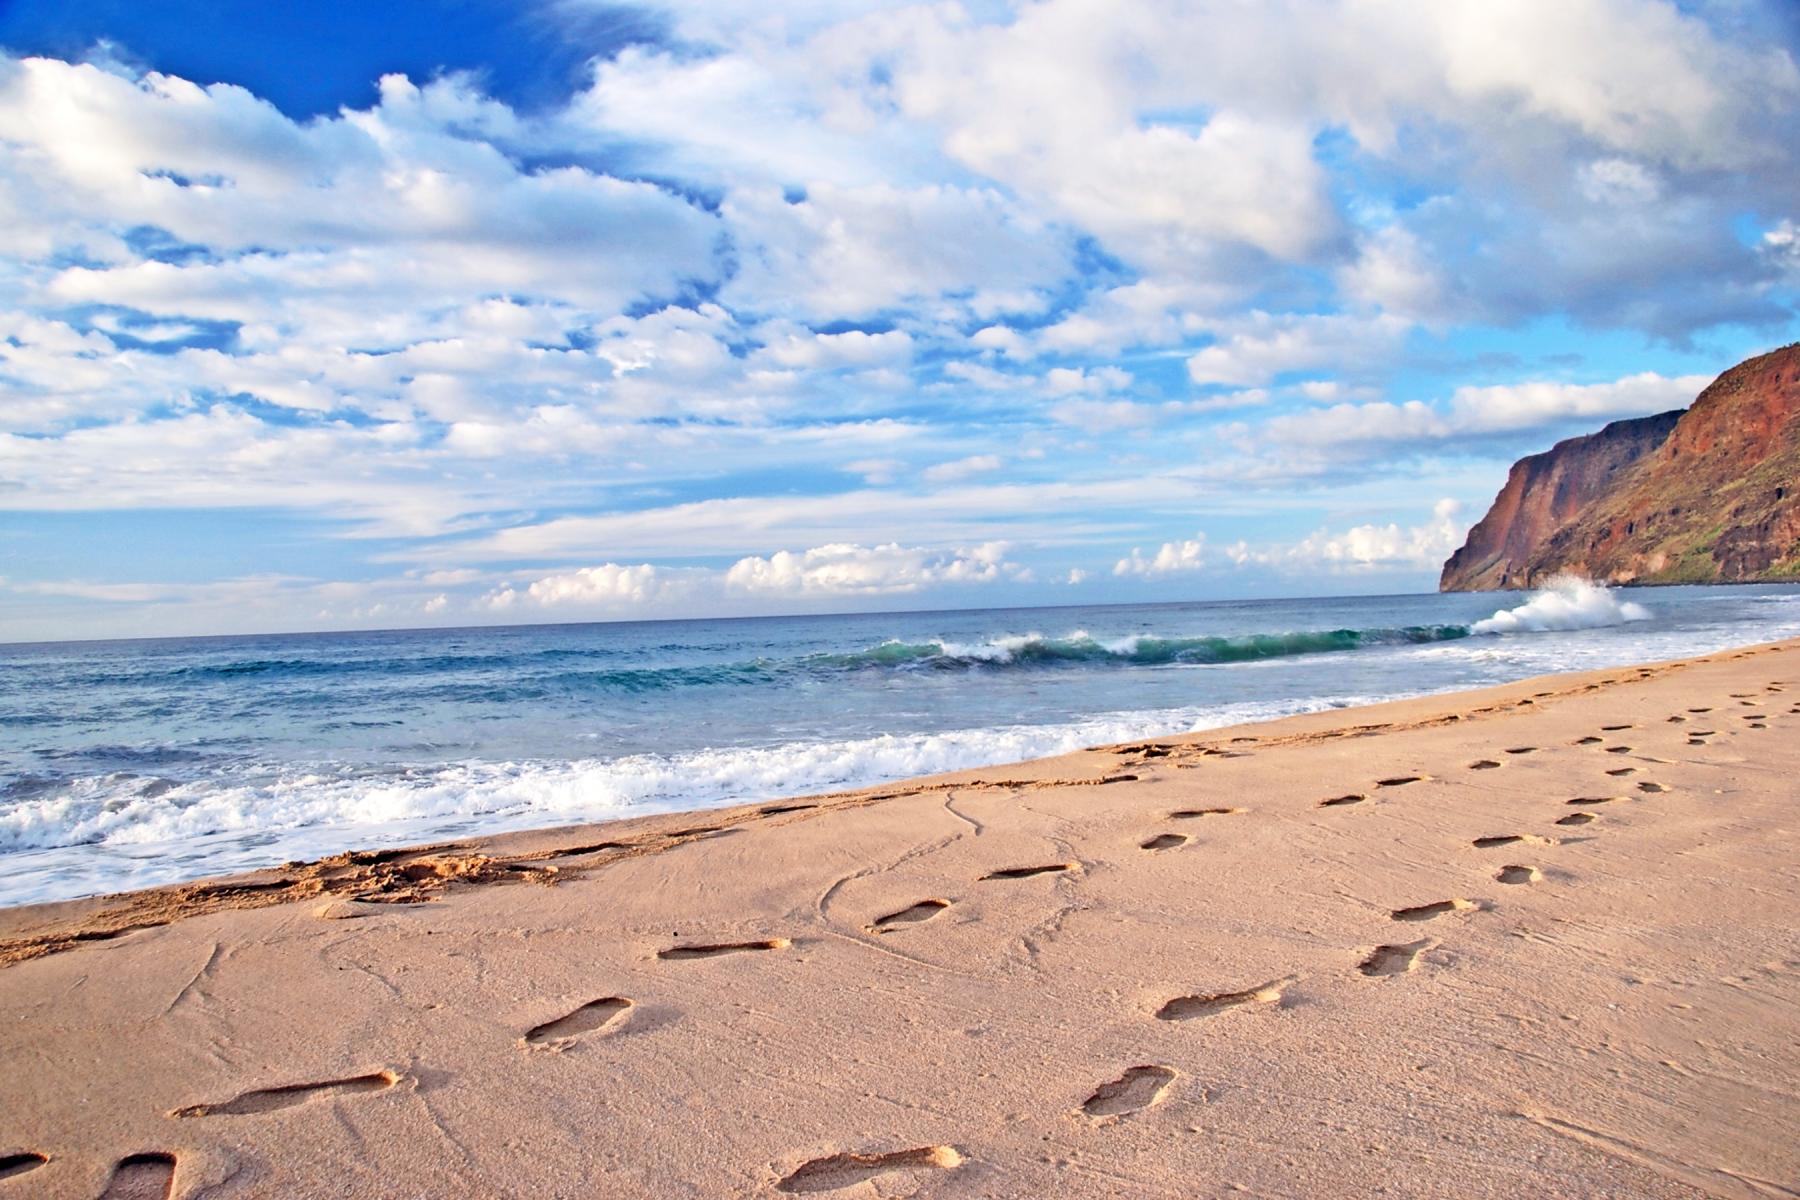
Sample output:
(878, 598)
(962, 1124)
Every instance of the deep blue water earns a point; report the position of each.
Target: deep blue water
(124, 764)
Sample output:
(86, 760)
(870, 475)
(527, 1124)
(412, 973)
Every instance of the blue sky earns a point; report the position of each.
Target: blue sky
(459, 311)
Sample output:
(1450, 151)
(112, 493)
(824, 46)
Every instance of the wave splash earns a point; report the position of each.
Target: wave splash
(1568, 602)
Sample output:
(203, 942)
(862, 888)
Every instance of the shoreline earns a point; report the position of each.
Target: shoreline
(1539, 937)
(508, 856)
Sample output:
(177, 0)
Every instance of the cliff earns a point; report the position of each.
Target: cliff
(1706, 495)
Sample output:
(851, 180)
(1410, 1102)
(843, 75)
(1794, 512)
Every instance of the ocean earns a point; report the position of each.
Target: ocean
(131, 763)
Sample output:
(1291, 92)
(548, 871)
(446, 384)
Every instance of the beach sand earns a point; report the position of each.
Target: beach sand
(1539, 940)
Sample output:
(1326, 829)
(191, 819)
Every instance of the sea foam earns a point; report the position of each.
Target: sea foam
(229, 824)
(1569, 602)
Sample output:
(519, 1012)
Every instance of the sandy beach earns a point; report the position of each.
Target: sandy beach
(1539, 940)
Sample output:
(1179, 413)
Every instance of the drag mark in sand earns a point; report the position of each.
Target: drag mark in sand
(1394, 960)
(1165, 841)
(1514, 873)
(913, 914)
(595, 1014)
(1137, 1089)
(843, 1170)
(715, 949)
(270, 1099)
(1714, 1181)
(12, 1165)
(1028, 872)
(148, 1176)
(1185, 1008)
(1425, 912)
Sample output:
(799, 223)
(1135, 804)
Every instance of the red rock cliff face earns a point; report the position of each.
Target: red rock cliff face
(1543, 493)
(1709, 495)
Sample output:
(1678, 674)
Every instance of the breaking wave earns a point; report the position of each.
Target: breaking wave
(1569, 602)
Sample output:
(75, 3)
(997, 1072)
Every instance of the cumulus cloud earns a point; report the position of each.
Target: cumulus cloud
(848, 569)
(1488, 410)
(1366, 547)
(606, 584)
(1256, 351)
(1170, 558)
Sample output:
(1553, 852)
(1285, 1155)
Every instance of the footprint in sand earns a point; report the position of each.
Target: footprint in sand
(844, 1170)
(595, 1014)
(1185, 1008)
(1137, 1089)
(1592, 800)
(1188, 814)
(1620, 772)
(142, 1177)
(13, 1165)
(1677, 720)
(1699, 710)
(1615, 728)
(1394, 960)
(1510, 839)
(1588, 741)
(271, 1099)
(912, 914)
(1166, 841)
(1028, 872)
(1647, 786)
(1483, 764)
(1518, 874)
(1581, 818)
(715, 949)
(1401, 780)
(1523, 750)
(1425, 912)
(1618, 749)
(1340, 801)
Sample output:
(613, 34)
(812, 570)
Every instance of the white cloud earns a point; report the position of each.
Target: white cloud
(609, 584)
(847, 569)
(962, 468)
(854, 252)
(1255, 351)
(1366, 547)
(1507, 408)
(1170, 559)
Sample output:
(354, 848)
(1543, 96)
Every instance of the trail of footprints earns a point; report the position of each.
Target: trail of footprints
(151, 1174)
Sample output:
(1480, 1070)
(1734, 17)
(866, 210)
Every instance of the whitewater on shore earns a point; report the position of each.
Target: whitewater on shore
(132, 764)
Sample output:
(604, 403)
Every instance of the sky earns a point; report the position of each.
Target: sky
(453, 312)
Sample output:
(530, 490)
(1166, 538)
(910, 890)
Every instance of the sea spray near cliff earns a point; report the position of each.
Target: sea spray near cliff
(1567, 603)
(130, 763)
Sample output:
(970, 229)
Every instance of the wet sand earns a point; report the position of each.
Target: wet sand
(1536, 940)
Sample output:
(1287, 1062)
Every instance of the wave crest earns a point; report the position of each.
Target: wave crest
(1568, 602)
(1035, 649)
